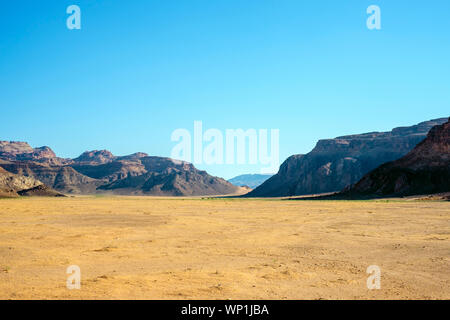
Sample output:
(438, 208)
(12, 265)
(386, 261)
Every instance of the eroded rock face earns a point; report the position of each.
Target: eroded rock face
(424, 170)
(12, 185)
(62, 178)
(337, 163)
(15, 182)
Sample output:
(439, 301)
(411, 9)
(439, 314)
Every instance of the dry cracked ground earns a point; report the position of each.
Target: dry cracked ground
(161, 248)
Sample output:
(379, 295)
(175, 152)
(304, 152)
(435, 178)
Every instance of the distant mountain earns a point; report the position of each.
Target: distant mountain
(99, 171)
(95, 157)
(164, 176)
(14, 148)
(22, 151)
(336, 163)
(424, 170)
(250, 180)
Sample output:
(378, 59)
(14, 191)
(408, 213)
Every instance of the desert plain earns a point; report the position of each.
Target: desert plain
(194, 248)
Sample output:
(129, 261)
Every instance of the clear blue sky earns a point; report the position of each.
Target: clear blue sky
(137, 70)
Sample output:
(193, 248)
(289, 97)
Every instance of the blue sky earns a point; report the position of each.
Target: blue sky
(138, 70)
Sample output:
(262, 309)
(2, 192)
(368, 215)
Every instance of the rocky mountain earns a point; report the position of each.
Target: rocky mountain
(164, 176)
(22, 151)
(337, 163)
(95, 157)
(62, 178)
(250, 180)
(12, 185)
(424, 170)
(99, 171)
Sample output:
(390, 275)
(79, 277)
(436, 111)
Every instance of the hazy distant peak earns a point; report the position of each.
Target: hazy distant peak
(250, 180)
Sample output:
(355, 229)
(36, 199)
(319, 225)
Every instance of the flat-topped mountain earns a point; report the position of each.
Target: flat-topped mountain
(336, 163)
(12, 148)
(99, 171)
(424, 170)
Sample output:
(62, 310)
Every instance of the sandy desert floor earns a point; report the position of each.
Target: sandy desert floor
(156, 248)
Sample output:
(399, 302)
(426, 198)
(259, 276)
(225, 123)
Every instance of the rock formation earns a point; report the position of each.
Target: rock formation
(13, 185)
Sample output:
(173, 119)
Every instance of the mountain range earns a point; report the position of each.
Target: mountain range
(99, 171)
(337, 163)
(403, 161)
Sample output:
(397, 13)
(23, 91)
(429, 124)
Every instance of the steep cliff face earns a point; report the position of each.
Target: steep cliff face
(336, 163)
(424, 170)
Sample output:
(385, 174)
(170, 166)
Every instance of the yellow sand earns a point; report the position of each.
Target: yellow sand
(156, 248)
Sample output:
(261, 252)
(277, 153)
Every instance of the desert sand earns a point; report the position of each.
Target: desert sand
(167, 248)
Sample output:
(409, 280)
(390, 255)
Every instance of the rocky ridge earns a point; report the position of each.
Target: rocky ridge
(99, 171)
